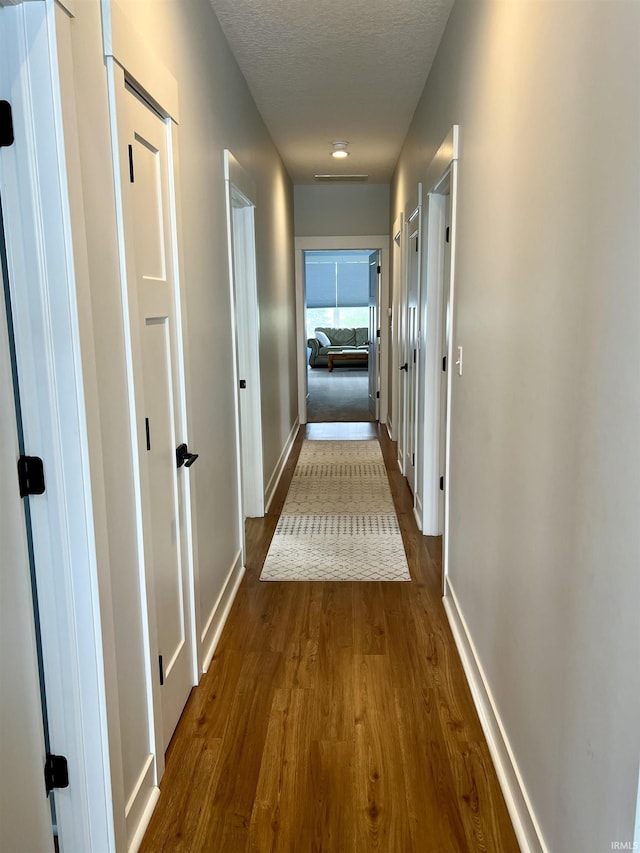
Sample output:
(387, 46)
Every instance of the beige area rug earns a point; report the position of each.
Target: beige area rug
(338, 522)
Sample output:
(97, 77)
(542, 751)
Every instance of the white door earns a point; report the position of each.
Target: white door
(25, 816)
(394, 330)
(374, 349)
(445, 333)
(244, 296)
(412, 345)
(158, 399)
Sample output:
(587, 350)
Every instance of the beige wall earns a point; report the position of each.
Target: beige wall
(545, 473)
(216, 112)
(341, 210)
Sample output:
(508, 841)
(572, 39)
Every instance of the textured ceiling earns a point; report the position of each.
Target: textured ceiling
(328, 70)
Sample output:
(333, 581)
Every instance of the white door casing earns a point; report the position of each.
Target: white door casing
(412, 342)
(439, 303)
(395, 384)
(374, 349)
(403, 356)
(240, 199)
(302, 244)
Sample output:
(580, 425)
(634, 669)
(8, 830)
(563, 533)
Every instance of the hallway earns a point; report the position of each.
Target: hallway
(334, 716)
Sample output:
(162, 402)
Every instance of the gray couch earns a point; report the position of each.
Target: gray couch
(339, 339)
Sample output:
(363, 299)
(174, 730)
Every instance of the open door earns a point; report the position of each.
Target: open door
(25, 813)
(374, 335)
(240, 195)
(412, 344)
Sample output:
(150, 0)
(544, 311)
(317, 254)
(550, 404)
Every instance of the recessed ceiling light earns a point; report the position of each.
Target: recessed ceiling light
(339, 149)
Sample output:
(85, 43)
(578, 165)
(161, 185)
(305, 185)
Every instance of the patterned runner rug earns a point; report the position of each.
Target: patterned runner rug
(338, 522)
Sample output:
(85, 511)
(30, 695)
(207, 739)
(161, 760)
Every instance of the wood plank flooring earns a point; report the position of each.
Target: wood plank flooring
(334, 717)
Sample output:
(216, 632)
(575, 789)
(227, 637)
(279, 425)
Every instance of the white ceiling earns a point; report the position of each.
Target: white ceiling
(329, 70)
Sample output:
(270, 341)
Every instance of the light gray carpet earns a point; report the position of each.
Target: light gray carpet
(342, 395)
(338, 522)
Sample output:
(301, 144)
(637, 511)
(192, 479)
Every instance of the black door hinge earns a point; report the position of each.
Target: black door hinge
(413, 460)
(378, 333)
(6, 125)
(415, 355)
(131, 175)
(30, 476)
(161, 668)
(442, 484)
(56, 772)
(416, 244)
(444, 363)
(377, 395)
(243, 383)
(447, 234)
(148, 433)
(378, 269)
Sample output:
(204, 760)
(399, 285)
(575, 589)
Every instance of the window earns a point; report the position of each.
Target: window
(337, 289)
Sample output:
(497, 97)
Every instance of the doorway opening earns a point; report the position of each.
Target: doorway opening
(240, 195)
(341, 296)
(440, 362)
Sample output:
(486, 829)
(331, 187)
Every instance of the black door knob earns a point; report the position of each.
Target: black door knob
(405, 366)
(183, 457)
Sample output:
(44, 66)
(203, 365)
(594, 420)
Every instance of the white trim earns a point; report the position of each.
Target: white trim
(417, 511)
(220, 611)
(441, 178)
(116, 90)
(144, 819)
(432, 311)
(525, 824)
(189, 511)
(302, 244)
(239, 177)
(636, 834)
(274, 480)
(49, 354)
(413, 226)
(396, 291)
(123, 42)
(450, 148)
(245, 333)
(141, 803)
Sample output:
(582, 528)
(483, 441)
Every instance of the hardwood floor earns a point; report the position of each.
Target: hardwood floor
(334, 717)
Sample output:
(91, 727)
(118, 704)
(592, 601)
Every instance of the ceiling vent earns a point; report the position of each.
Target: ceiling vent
(341, 178)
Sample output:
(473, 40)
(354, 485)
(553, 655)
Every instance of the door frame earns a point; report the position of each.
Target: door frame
(374, 377)
(397, 257)
(304, 244)
(413, 217)
(53, 376)
(129, 62)
(243, 295)
(442, 179)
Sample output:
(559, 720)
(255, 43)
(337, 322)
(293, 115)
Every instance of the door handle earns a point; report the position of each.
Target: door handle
(405, 366)
(183, 457)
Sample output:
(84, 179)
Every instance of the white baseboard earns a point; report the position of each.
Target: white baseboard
(525, 825)
(140, 806)
(215, 623)
(417, 513)
(272, 485)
